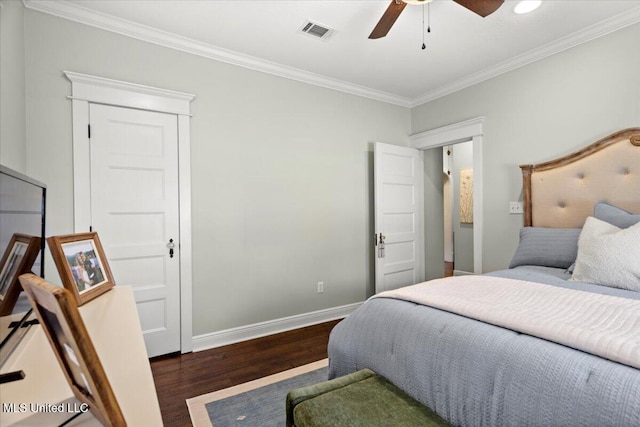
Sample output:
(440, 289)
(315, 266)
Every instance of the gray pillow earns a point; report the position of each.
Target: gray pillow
(547, 247)
(614, 215)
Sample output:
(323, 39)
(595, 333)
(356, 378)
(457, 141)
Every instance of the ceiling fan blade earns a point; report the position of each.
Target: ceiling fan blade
(481, 7)
(388, 19)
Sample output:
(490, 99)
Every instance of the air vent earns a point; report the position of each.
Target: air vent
(316, 30)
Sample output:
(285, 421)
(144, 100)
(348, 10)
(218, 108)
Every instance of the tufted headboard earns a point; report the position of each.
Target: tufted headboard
(563, 192)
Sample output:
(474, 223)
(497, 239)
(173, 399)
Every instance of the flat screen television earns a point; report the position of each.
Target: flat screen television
(22, 210)
(22, 244)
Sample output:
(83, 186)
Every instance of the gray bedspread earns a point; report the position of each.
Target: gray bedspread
(476, 374)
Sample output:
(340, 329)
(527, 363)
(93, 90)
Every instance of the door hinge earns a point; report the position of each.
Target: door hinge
(89, 131)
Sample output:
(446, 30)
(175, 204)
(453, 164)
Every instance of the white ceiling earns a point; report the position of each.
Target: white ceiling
(462, 48)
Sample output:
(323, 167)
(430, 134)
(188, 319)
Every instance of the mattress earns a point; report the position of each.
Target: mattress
(477, 374)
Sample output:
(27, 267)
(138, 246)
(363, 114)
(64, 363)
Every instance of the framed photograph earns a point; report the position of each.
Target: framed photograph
(82, 265)
(18, 258)
(58, 314)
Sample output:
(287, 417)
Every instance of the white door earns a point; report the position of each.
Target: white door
(398, 216)
(134, 210)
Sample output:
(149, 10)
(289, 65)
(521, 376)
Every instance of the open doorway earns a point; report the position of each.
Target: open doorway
(452, 135)
(458, 208)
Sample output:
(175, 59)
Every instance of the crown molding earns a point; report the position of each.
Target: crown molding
(73, 12)
(592, 32)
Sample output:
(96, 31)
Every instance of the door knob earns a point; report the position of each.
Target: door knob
(171, 245)
(381, 246)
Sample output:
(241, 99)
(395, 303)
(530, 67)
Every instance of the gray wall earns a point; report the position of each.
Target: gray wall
(282, 170)
(537, 113)
(434, 219)
(12, 96)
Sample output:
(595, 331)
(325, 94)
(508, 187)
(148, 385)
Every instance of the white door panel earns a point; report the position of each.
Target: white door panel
(398, 216)
(134, 209)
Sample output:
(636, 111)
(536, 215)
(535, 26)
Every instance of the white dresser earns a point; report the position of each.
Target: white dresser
(113, 324)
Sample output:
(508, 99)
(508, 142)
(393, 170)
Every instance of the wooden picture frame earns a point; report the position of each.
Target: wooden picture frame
(82, 265)
(18, 258)
(58, 314)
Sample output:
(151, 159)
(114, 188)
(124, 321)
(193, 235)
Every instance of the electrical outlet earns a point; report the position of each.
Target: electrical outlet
(320, 287)
(515, 208)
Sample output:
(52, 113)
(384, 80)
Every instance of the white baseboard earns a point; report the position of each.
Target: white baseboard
(257, 330)
(462, 273)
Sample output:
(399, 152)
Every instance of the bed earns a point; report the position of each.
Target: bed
(487, 373)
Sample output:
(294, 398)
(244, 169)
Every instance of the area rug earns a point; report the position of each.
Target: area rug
(259, 403)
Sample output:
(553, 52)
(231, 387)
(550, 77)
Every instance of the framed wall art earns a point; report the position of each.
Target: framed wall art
(82, 265)
(18, 258)
(466, 196)
(58, 314)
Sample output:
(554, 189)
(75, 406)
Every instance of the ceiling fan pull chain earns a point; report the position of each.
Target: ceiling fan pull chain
(423, 45)
(428, 17)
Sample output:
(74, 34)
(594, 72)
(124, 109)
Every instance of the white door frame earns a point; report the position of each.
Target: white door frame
(468, 130)
(86, 89)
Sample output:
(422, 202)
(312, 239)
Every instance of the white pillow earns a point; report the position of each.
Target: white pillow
(608, 255)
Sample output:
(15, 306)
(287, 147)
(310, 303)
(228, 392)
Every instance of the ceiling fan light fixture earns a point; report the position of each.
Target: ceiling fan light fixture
(414, 2)
(526, 6)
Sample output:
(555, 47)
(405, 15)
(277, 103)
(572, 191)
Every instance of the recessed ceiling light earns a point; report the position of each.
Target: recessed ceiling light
(417, 1)
(526, 6)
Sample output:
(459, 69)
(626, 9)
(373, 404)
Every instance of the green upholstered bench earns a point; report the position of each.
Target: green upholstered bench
(361, 399)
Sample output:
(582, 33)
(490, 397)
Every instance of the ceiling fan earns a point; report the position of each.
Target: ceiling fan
(481, 7)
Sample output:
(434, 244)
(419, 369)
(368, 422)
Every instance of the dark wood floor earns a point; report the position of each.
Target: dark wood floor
(448, 269)
(181, 377)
